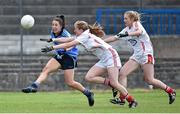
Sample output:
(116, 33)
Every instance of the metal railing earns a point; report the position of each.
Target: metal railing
(155, 21)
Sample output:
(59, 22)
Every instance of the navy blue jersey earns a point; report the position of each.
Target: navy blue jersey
(72, 52)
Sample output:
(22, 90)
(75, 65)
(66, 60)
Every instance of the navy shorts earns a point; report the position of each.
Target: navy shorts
(66, 61)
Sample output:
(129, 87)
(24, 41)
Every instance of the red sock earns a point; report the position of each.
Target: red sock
(129, 98)
(122, 97)
(169, 89)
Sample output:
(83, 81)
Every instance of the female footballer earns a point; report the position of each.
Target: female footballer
(89, 37)
(60, 61)
(139, 40)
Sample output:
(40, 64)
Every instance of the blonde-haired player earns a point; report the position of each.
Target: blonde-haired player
(139, 40)
(108, 57)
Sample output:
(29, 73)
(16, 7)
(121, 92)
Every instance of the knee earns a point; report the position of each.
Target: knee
(148, 80)
(113, 83)
(71, 83)
(45, 70)
(122, 75)
(88, 78)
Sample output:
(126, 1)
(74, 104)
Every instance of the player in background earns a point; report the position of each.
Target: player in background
(139, 40)
(109, 61)
(63, 59)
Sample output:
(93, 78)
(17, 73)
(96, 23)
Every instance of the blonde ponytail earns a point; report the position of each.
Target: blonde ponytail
(96, 30)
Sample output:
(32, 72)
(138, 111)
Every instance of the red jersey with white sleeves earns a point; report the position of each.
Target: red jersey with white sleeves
(141, 45)
(107, 55)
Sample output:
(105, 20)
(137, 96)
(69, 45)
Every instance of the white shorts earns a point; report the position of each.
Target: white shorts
(143, 59)
(112, 60)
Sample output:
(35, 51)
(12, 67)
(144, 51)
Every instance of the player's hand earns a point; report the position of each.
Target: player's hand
(46, 40)
(47, 49)
(122, 35)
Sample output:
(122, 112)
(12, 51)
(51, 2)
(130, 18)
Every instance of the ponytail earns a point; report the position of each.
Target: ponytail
(96, 30)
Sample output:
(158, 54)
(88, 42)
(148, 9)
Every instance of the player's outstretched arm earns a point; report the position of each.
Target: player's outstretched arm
(61, 40)
(110, 39)
(116, 37)
(63, 46)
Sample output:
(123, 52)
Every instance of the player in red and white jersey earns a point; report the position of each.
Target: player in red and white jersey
(109, 61)
(139, 40)
(140, 43)
(99, 48)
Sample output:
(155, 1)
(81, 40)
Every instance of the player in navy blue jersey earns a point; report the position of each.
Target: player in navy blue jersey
(63, 59)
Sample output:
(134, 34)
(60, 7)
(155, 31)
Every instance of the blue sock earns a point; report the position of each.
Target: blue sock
(35, 84)
(87, 92)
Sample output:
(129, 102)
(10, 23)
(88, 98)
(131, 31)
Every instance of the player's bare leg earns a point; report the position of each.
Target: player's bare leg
(149, 78)
(127, 69)
(94, 75)
(69, 80)
(113, 78)
(51, 66)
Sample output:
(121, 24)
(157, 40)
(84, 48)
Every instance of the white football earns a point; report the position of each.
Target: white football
(27, 21)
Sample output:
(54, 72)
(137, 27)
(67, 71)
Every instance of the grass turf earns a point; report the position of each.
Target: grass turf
(74, 102)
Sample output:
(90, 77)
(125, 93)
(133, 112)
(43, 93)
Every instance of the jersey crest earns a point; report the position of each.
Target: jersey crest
(132, 41)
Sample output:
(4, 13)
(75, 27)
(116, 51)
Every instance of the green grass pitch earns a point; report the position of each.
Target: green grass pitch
(155, 101)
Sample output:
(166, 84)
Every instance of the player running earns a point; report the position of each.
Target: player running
(139, 40)
(60, 61)
(89, 37)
